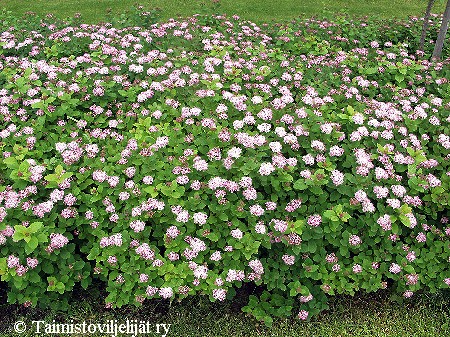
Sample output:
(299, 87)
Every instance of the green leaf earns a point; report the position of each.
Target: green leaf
(311, 246)
(42, 237)
(34, 277)
(65, 176)
(78, 265)
(18, 235)
(51, 177)
(3, 266)
(328, 214)
(47, 267)
(58, 170)
(151, 190)
(298, 226)
(223, 216)
(34, 227)
(85, 283)
(213, 237)
(285, 178)
(31, 245)
(300, 185)
(405, 220)
(11, 162)
(316, 190)
(399, 78)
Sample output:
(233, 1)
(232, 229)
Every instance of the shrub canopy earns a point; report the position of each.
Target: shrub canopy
(189, 157)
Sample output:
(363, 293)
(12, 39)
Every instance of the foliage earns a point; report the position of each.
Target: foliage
(190, 157)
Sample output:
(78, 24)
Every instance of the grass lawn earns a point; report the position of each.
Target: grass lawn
(371, 315)
(256, 10)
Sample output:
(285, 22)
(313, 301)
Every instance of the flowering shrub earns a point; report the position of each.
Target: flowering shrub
(188, 158)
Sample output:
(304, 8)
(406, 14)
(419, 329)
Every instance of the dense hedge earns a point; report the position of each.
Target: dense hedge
(191, 156)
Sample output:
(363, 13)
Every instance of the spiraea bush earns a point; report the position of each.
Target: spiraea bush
(192, 156)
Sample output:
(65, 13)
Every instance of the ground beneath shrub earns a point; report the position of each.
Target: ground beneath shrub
(376, 314)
